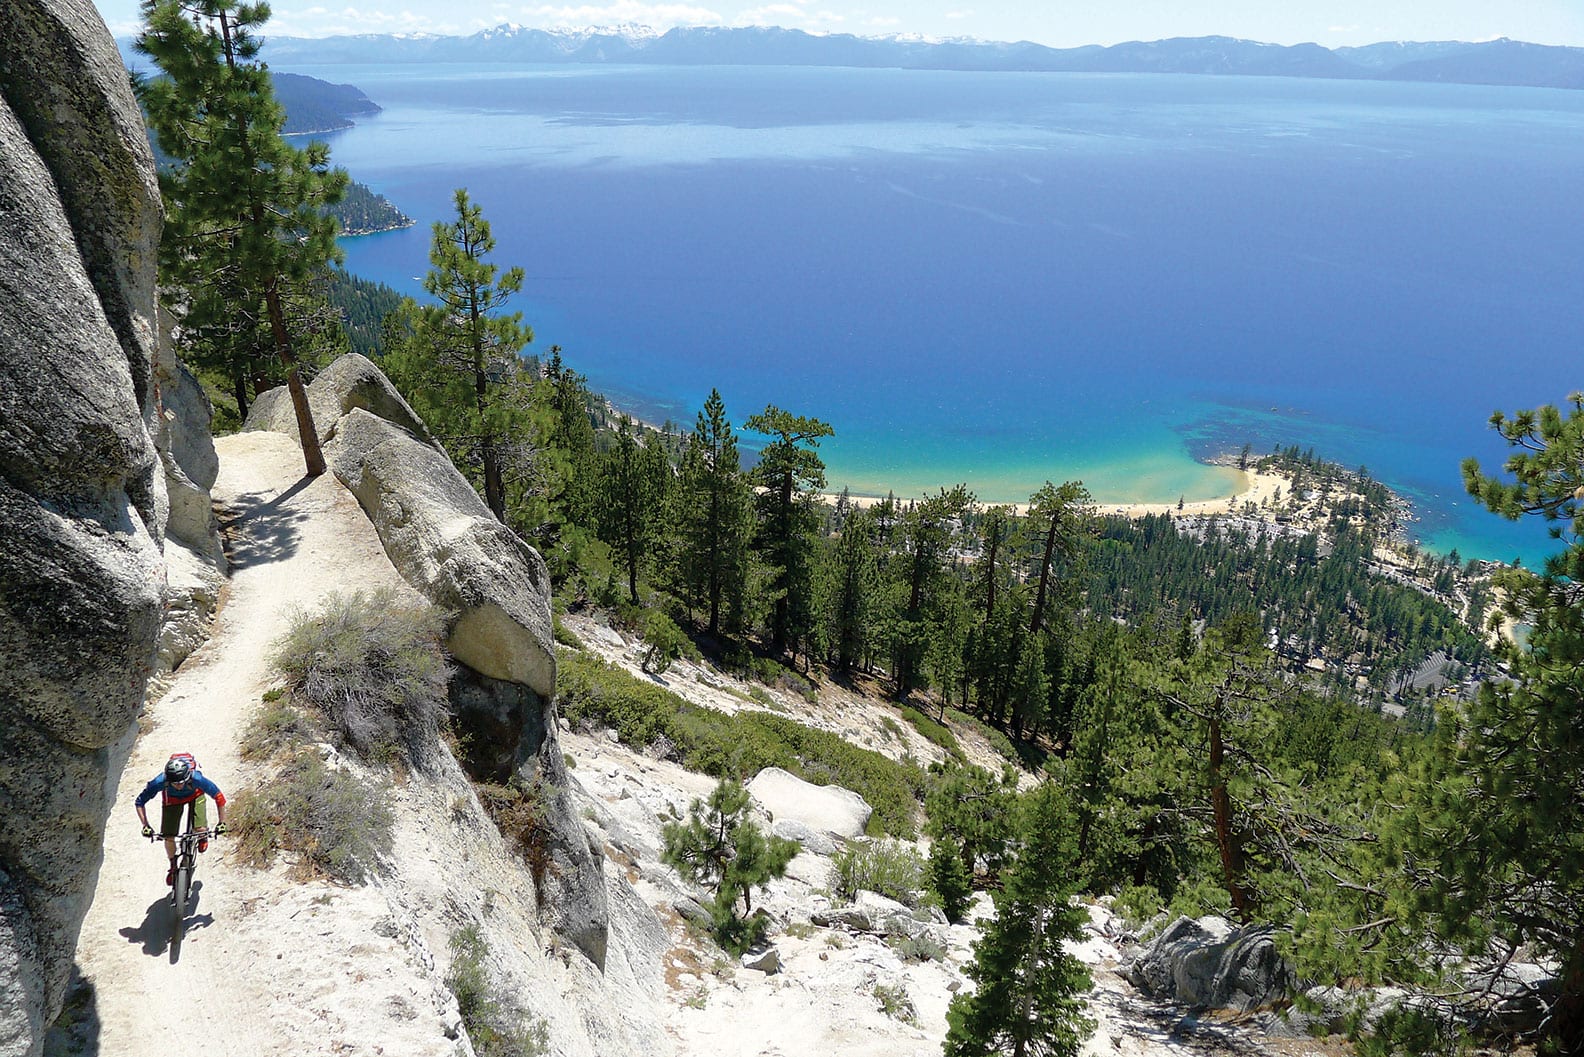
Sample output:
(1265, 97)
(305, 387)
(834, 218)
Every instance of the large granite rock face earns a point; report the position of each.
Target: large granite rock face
(509, 732)
(435, 528)
(1208, 964)
(352, 381)
(82, 496)
(443, 540)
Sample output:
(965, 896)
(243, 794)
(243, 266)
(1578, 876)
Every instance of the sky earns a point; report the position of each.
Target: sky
(1058, 23)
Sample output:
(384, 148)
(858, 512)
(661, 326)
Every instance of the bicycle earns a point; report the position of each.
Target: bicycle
(182, 872)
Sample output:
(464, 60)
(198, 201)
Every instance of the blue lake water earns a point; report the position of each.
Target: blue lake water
(1004, 278)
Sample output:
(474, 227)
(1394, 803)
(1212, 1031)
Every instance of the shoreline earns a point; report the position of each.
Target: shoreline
(1254, 486)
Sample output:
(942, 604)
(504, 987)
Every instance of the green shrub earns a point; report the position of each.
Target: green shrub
(273, 729)
(496, 1024)
(920, 948)
(338, 826)
(997, 740)
(895, 1003)
(564, 635)
(1136, 904)
(950, 879)
(594, 692)
(666, 643)
(889, 868)
(373, 668)
(933, 731)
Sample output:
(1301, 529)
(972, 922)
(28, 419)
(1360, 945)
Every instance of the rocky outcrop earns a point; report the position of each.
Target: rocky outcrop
(821, 808)
(443, 540)
(434, 527)
(1208, 964)
(82, 496)
(352, 381)
(508, 732)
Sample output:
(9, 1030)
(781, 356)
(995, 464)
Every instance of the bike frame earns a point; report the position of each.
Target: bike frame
(186, 863)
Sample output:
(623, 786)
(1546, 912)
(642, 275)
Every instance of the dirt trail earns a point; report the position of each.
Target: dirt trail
(294, 540)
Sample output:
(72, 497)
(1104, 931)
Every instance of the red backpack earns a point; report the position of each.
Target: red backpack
(192, 761)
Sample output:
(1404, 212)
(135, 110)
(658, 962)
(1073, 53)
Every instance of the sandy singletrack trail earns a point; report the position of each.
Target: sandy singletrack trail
(229, 987)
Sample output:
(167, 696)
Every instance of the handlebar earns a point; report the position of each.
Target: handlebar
(198, 834)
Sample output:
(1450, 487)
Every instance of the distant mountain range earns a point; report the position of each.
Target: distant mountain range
(1497, 62)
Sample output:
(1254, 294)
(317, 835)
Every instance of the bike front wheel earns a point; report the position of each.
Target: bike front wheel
(179, 894)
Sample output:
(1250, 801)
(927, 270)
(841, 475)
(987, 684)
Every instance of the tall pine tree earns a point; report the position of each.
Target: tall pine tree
(244, 226)
(1028, 1001)
(459, 362)
(788, 474)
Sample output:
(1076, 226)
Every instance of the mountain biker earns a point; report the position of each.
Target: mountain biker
(181, 785)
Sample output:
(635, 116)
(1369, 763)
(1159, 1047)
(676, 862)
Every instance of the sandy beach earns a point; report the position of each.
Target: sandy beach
(1255, 487)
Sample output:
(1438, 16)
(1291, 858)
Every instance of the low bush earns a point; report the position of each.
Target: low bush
(564, 635)
(889, 868)
(920, 948)
(273, 729)
(1137, 904)
(594, 693)
(998, 741)
(666, 643)
(373, 667)
(518, 812)
(496, 1024)
(895, 1003)
(338, 826)
(934, 732)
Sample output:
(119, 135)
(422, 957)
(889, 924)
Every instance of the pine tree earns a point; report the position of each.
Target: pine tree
(1500, 857)
(788, 474)
(633, 480)
(244, 226)
(1064, 517)
(720, 847)
(459, 365)
(927, 528)
(1027, 1001)
(850, 591)
(714, 521)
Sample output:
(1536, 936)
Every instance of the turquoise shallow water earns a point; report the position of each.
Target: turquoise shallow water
(1005, 278)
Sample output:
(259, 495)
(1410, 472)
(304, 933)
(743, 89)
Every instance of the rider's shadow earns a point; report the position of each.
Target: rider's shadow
(155, 931)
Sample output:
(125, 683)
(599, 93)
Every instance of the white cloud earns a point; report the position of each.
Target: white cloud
(881, 21)
(960, 14)
(789, 15)
(318, 21)
(657, 16)
(1343, 29)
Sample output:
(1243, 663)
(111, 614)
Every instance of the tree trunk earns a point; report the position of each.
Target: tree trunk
(313, 457)
(1567, 1016)
(1044, 579)
(239, 390)
(494, 485)
(1231, 869)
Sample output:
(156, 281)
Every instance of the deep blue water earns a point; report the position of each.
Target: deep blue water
(1004, 278)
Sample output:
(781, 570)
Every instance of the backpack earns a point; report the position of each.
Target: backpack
(192, 761)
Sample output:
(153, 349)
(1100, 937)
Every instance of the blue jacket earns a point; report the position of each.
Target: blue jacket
(197, 786)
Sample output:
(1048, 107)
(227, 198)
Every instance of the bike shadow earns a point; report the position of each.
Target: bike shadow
(155, 932)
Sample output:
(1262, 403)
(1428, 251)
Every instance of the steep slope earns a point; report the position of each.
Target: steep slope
(271, 965)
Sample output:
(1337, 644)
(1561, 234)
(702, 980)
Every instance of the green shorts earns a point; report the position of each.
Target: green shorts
(171, 816)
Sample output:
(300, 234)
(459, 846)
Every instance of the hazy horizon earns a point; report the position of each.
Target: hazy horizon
(1341, 23)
